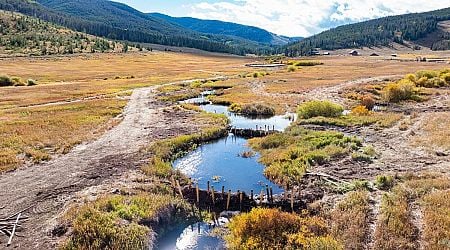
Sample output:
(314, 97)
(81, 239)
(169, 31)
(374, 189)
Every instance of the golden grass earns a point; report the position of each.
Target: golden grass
(395, 229)
(35, 132)
(350, 220)
(39, 131)
(436, 212)
(279, 85)
(434, 133)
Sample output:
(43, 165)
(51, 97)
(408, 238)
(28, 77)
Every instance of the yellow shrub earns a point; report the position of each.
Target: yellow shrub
(273, 229)
(360, 111)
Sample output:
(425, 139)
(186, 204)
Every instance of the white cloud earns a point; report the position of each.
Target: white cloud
(307, 17)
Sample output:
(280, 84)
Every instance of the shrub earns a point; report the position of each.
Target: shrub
(395, 229)
(257, 109)
(427, 74)
(5, 81)
(383, 182)
(368, 102)
(307, 63)
(400, 91)
(158, 167)
(358, 156)
(446, 78)
(31, 82)
(235, 108)
(360, 111)
(272, 229)
(123, 222)
(350, 219)
(292, 68)
(319, 108)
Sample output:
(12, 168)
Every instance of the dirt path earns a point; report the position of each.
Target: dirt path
(374, 214)
(48, 187)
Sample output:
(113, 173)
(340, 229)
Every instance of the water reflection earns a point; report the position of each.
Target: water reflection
(220, 163)
(195, 236)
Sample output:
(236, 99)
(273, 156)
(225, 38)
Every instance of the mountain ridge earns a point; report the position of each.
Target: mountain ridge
(247, 32)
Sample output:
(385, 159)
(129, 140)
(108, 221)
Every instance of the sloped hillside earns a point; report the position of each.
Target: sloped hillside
(377, 32)
(120, 22)
(26, 35)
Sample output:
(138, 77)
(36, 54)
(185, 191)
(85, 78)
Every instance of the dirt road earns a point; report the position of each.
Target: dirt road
(48, 187)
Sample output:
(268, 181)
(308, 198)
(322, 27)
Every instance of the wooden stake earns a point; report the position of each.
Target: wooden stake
(198, 194)
(261, 197)
(251, 195)
(240, 200)
(271, 195)
(223, 192)
(228, 199)
(212, 196)
(267, 193)
(208, 187)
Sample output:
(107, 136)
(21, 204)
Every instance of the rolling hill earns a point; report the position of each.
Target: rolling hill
(227, 28)
(25, 35)
(120, 22)
(377, 32)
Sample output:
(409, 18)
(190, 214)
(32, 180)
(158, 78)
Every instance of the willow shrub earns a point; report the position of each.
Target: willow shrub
(257, 109)
(319, 108)
(273, 229)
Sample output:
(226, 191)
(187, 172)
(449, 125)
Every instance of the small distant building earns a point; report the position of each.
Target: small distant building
(394, 55)
(326, 53)
(354, 53)
(374, 54)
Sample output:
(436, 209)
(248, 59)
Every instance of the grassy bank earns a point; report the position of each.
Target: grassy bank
(287, 156)
(124, 222)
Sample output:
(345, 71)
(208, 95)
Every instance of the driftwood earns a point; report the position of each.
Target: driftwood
(14, 229)
(329, 178)
(10, 225)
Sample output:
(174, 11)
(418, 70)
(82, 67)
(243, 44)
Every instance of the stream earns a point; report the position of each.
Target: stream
(220, 162)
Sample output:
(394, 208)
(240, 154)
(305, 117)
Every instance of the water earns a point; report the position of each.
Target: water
(279, 122)
(221, 163)
(195, 236)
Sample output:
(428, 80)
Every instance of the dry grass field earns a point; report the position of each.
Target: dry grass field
(283, 88)
(77, 96)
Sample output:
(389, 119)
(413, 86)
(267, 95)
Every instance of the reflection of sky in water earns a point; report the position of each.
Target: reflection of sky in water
(197, 236)
(221, 158)
(280, 122)
(220, 163)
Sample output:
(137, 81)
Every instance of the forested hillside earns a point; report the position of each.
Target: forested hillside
(227, 28)
(25, 35)
(121, 22)
(377, 32)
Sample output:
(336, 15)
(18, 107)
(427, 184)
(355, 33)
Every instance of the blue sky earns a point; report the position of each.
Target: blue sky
(288, 17)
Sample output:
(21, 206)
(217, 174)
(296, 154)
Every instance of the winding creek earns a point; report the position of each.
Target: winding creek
(220, 162)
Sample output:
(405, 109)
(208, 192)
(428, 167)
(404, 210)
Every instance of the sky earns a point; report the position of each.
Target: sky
(288, 17)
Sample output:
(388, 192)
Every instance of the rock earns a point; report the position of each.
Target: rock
(441, 154)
